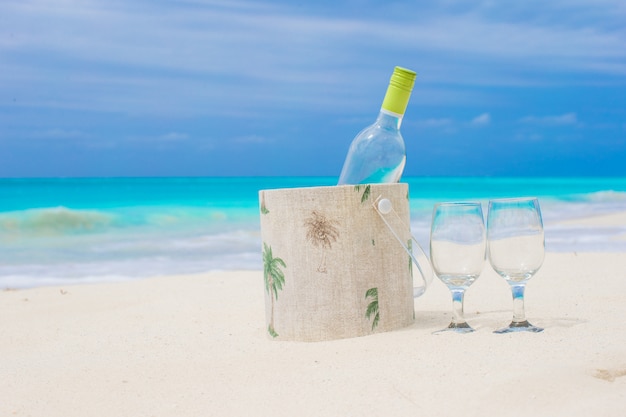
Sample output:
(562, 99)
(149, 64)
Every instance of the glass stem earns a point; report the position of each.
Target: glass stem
(519, 315)
(457, 305)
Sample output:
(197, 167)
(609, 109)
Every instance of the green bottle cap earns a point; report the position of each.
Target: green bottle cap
(399, 90)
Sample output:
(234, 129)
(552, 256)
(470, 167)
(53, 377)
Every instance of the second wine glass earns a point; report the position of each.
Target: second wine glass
(457, 252)
(516, 250)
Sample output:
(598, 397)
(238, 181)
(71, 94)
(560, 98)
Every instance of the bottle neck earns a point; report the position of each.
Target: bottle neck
(389, 119)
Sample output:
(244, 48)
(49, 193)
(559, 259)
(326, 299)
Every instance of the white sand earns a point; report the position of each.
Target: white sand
(197, 346)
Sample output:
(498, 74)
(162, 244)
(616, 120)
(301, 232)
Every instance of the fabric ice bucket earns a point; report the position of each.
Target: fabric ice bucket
(338, 261)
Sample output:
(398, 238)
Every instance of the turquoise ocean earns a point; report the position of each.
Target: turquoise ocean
(77, 230)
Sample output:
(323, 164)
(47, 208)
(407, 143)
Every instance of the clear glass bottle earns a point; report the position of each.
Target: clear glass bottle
(377, 154)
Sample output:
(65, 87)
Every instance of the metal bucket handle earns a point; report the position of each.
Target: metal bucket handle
(384, 208)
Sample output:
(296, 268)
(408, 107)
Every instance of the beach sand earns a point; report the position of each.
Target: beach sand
(197, 346)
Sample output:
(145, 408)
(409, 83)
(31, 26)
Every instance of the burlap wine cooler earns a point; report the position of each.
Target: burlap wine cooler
(338, 261)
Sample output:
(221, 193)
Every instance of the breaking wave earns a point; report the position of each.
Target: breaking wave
(54, 221)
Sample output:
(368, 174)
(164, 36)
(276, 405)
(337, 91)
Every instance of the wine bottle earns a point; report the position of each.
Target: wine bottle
(377, 154)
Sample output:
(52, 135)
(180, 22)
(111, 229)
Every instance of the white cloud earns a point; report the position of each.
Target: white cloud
(60, 134)
(559, 120)
(482, 120)
(251, 139)
(163, 138)
(210, 56)
(530, 137)
(173, 136)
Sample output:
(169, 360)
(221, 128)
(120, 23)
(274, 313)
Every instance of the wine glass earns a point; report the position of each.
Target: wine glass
(516, 250)
(457, 252)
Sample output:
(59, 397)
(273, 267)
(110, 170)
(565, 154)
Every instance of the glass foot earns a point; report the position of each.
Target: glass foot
(457, 328)
(521, 326)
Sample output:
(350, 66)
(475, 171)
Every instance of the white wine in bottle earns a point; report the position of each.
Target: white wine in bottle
(377, 154)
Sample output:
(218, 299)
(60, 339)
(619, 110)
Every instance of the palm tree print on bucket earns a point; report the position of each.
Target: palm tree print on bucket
(321, 232)
(366, 192)
(274, 280)
(372, 312)
(264, 209)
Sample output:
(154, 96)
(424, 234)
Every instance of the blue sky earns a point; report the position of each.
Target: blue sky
(277, 87)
